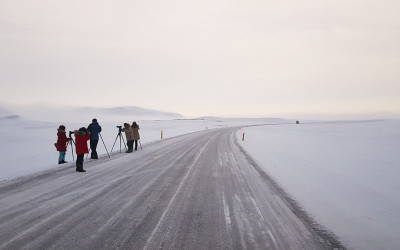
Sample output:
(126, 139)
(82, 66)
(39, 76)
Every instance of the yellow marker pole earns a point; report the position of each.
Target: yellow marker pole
(243, 137)
(161, 134)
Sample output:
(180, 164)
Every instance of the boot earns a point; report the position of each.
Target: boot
(93, 155)
(80, 169)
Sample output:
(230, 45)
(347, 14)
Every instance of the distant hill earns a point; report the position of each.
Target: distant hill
(129, 111)
(69, 114)
(12, 117)
(5, 114)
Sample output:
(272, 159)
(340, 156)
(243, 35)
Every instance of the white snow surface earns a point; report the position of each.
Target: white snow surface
(27, 146)
(343, 174)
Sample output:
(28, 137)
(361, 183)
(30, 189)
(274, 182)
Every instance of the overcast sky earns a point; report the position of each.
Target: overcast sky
(197, 58)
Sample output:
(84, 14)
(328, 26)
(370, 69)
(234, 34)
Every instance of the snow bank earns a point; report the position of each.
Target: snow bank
(345, 174)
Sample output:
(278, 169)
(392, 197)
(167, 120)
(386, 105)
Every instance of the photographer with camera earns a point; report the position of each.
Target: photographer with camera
(129, 137)
(81, 138)
(94, 129)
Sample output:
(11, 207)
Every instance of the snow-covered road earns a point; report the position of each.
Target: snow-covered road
(196, 191)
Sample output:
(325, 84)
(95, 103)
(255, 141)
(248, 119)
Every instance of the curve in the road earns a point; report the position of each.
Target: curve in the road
(196, 191)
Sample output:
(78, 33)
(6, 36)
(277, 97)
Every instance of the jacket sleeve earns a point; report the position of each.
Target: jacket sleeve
(64, 138)
(99, 128)
(87, 137)
(89, 128)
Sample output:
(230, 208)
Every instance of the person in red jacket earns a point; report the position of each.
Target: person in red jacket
(61, 144)
(81, 138)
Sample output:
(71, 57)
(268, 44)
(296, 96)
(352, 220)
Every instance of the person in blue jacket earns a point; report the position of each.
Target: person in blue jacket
(94, 129)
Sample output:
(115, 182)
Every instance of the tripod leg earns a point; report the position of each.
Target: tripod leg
(104, 145)
(72, 151)
(124, 142)
(88, 154)
(114, 143)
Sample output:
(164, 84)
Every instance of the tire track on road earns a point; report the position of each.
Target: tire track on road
(193, 191)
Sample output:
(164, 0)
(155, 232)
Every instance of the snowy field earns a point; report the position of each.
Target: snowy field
(27, 146)
(345, 174)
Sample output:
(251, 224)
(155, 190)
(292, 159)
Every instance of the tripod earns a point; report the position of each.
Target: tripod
(72, 147)
(104, 147)
(120, 136)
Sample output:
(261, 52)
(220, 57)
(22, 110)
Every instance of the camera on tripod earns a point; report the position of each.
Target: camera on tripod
(119, 128)
(70, 133)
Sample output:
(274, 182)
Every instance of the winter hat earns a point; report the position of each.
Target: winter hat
(83, 129)
(94, 120)
(62, 127)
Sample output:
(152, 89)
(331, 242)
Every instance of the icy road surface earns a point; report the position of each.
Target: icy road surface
(196, 191)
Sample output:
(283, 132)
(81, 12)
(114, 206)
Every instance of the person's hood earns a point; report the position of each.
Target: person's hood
(79, 133)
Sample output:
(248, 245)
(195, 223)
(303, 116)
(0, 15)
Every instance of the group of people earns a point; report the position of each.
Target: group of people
(91, 133)
(132, 135)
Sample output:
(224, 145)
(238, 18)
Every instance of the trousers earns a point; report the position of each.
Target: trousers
(61, 157)
(93, 148)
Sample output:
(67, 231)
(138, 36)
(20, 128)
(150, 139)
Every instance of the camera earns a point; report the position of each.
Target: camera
(120, 128)
(70, 133)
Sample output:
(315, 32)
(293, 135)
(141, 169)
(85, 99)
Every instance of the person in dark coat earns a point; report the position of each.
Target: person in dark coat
(94, 129)
(136, 136)
(61, 144)
(81, 138)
